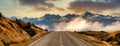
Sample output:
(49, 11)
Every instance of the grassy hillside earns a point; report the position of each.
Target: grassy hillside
(112, 38)
(17, 31)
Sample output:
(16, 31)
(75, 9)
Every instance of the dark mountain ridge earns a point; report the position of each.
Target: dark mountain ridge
(51, 20)
(104, 19)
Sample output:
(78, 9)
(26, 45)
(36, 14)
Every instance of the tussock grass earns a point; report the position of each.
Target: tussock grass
(93, 40)
(18, 33)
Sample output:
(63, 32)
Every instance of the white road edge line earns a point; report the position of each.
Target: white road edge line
(37, 40)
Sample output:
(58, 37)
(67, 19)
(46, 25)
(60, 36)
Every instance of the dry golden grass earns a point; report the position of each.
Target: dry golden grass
(30, 41)
(112, 38)
(1, 43)
(10, 34)
(112, 34)
(94, 41)
(14, 33)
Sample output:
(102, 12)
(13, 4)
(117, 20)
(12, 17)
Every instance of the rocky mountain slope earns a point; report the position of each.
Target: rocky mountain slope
(50, 20)
(16, 31)
(104, 19)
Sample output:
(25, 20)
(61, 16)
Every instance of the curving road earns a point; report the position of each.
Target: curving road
(60, 39)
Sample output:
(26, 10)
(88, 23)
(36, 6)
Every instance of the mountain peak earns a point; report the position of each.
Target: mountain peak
(88, 14)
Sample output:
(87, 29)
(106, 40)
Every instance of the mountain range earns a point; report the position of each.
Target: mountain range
(104, 19)
(50, 20)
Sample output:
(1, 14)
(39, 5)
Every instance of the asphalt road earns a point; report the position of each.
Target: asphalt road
(60, 39)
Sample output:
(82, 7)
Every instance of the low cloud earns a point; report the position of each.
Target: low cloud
(79, 24)
(72, 22)
(42, 26)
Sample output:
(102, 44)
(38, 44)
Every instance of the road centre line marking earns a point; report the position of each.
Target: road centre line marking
(61, 45)
(61, 42)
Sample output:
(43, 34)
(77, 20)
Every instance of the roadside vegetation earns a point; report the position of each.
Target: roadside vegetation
(100, 38)
(17, 32)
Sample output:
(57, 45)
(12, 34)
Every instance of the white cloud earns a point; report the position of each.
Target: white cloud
(79, 24)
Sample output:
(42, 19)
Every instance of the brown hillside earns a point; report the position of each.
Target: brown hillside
(16, 31)
(112, 38)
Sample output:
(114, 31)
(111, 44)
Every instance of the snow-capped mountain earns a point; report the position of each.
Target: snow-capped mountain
(105, 19)
(50, 20)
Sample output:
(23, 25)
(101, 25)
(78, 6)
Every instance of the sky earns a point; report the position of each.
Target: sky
(37, 8)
